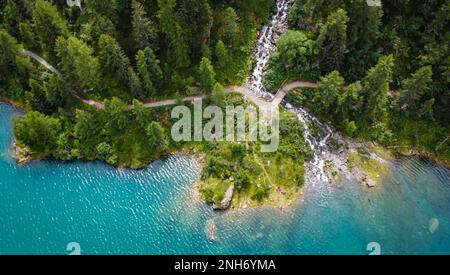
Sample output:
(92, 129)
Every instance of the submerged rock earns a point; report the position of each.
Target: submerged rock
(434, 224)
(370, 183)
(210, 230)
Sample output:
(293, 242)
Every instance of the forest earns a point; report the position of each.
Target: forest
(383, 75)
(383, 72)
(118, 52)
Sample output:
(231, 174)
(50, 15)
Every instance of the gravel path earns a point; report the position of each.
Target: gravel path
(261, 103)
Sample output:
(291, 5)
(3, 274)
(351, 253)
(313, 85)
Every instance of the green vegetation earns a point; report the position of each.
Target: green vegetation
(143, 49)
(115, 52)
(383, 75)
(374, 169)
(383, 72)
(293, 59)
(37, 131)
(259, 178)
(206, 75)
(118, 135)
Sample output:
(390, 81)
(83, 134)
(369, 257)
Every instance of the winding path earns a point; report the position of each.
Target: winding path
(246, 92)
(42, 61)
(291, 86)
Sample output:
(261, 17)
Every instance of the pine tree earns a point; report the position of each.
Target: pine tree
(56, 92)
(135, 84)
(196, 20)
(9, 49)
(206, 75)
(376, 89)
(49, 25)
(78, 65)
(115, 64)
(222, 55)
(414, 89)
(102, 7)
(11, 17)
(349, 102)
(118, 115)
(178, 49)
(218, 95)
(141, 113)
(149, 71)
(158, 140)
(330, 88)
(144, 34)
(14, 12)
(332, 41)
(86, 126)
(28, 36)
(36, 99)
(363, 33)
(97, 26)
(113, 61)
(230, 27)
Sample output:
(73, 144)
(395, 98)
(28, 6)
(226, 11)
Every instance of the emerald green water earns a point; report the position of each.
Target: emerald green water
(47, 204)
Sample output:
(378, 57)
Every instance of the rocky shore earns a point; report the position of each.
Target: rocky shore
(408, 152)
(23, 155)
(349, 161)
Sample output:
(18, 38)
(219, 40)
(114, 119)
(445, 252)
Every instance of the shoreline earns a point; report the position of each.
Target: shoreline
(413, 152)
(24, 156)
(199, 157)
(15, 104)
(191, 151)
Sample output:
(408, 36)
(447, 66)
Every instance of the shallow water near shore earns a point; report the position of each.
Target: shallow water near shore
(47, 204)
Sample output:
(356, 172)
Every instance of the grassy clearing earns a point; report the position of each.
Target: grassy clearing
(259, 178)
(374, 169)
(383, 152)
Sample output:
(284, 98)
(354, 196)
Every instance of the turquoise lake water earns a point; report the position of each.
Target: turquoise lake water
(47, 204)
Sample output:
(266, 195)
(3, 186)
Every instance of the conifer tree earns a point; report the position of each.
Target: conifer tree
(206, 74)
